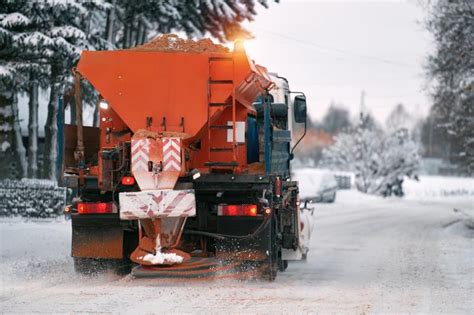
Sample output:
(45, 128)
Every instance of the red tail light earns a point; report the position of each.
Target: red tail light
(95, 207)
(237, 210)
(128, 180)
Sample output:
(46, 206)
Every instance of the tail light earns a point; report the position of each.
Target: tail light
(95, 207)
(128, 180)
(237, 210)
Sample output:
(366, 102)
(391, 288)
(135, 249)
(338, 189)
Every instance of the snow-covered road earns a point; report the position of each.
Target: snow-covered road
(368, 255)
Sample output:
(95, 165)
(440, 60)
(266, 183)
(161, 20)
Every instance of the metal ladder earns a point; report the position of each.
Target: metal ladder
(232, 161)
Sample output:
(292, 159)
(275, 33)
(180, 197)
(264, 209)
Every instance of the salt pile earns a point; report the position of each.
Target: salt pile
(173, 43)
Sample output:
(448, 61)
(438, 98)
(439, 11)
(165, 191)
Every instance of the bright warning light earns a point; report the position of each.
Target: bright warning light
(195, 174)
(103, 104)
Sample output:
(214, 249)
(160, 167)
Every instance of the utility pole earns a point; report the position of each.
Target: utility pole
(362, 103)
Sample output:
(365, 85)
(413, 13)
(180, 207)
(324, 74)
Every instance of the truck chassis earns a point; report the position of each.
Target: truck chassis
(248, 240)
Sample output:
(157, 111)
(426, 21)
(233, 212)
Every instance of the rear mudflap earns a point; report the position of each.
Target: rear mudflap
(97, 237)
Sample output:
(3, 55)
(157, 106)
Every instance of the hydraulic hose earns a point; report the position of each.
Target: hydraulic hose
(260, 228)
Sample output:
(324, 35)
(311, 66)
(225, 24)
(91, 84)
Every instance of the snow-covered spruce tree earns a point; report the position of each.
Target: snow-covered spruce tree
(221, 18)
(56, 33)
(451, 73)
(25, 54)
(69, 25)
(12, 82)
(131, 23)
(12, 151)
(379, 161)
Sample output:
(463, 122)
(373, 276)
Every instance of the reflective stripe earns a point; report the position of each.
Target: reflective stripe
(172, 154)
(156, 204)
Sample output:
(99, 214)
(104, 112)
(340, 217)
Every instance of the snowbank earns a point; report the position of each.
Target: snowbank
(428, 187)
(31, 198)
(434, 187)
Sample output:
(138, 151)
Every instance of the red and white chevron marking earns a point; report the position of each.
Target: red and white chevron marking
(172, 154)
(140, 154)
(178, 203)
(157, 204)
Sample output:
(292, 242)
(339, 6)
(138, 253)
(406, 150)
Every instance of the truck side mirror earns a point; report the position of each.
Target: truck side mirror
(300, 108)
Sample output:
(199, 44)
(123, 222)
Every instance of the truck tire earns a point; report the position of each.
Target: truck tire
(85, 266)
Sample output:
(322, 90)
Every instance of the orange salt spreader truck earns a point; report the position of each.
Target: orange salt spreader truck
(188, 174)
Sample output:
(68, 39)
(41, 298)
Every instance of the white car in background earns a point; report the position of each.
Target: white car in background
(316, 185)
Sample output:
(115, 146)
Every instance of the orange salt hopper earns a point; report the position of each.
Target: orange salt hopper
(183, 92)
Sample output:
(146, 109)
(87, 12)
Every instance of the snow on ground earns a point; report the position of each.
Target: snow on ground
(367, 255)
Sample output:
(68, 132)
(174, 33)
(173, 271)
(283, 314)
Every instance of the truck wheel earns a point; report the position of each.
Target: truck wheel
(85, 266)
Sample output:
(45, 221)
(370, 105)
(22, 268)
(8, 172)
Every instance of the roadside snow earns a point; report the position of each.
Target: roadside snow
(429, 187)
(426, 188)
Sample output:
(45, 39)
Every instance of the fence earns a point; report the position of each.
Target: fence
(31, 198)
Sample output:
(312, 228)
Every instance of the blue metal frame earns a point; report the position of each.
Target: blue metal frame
(267, 144)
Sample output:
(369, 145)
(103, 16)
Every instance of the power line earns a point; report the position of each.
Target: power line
(338, 50)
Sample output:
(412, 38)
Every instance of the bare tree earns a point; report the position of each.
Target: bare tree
(336, 119)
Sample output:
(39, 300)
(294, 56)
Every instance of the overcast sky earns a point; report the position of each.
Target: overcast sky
(332, 50)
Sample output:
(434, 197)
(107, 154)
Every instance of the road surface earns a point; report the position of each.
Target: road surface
(367, 255)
